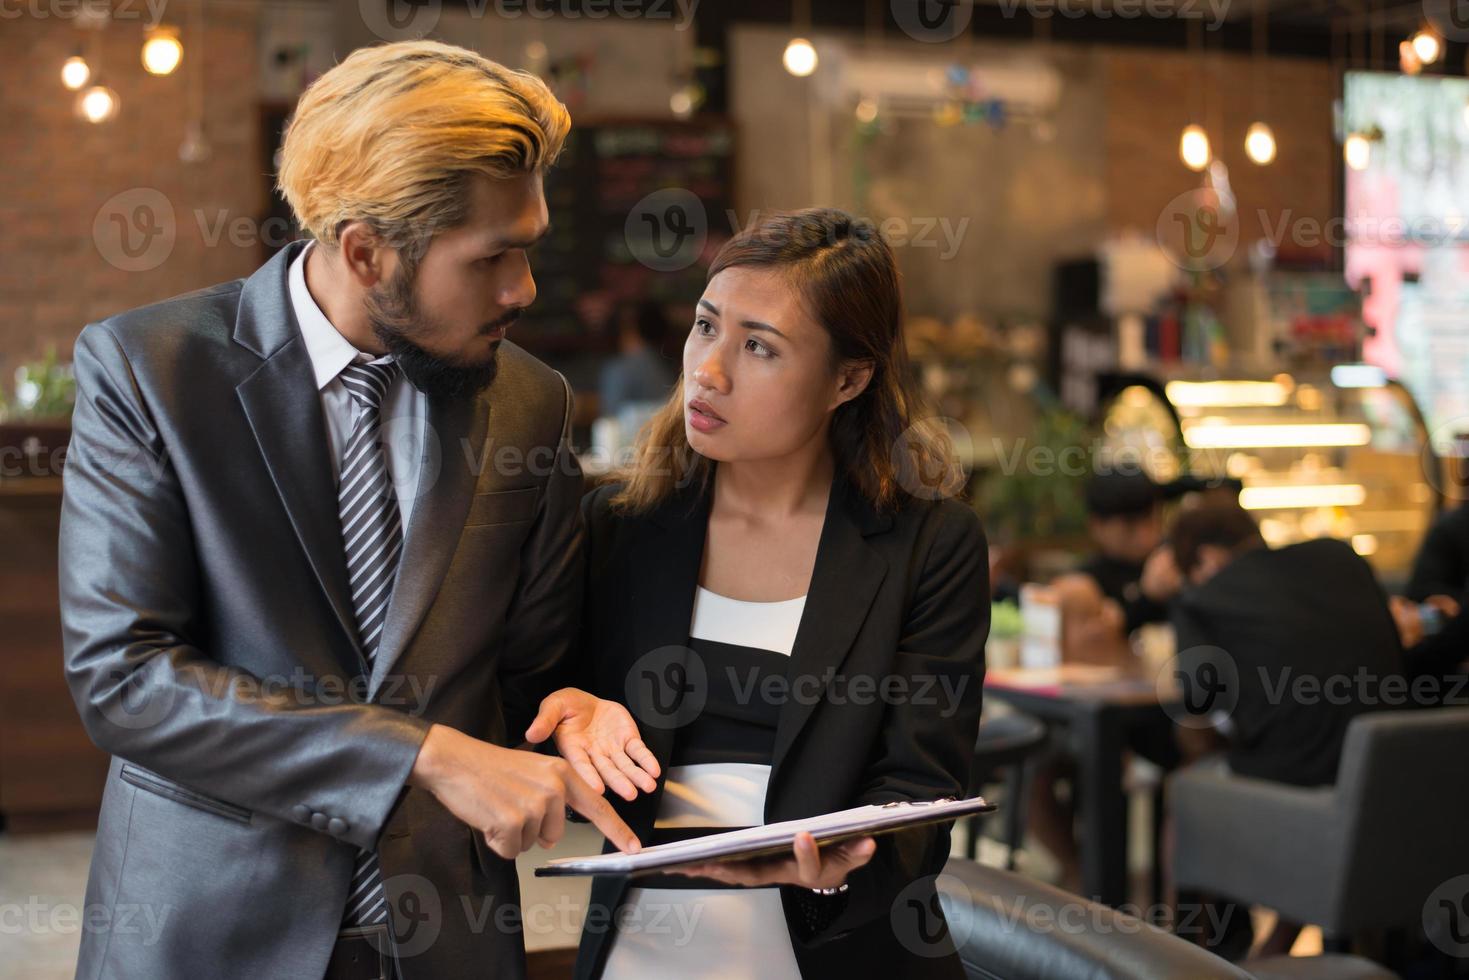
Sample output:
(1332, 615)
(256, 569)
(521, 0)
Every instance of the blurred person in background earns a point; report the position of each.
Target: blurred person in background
(638, 374)
(1258, 630)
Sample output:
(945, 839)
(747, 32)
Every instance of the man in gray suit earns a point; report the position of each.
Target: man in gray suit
(321, 563)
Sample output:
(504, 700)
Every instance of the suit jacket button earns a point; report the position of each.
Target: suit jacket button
(336, 826)
(301, 812)
(318, 820)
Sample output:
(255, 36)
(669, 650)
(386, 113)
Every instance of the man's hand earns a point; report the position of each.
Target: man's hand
(1408, 615)
(808, 866)
(514, 798)
(600, 740)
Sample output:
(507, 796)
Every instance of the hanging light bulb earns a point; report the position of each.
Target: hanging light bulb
(1427, 46)
(162, 51)
(1357, 151)
(800, 57)
(97, 104)
(867, 111)
(1193, 147)
(1260, 143)
(75, 72)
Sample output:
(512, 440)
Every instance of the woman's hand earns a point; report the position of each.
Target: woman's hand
(808, 867)
(600, 740)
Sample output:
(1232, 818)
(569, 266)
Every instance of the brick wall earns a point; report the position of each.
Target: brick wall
(57, 273)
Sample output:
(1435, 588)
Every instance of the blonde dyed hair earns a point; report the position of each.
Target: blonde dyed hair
(393, 134)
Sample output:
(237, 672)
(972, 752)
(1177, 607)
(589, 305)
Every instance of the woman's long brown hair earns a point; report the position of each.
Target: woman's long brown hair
(882, 441)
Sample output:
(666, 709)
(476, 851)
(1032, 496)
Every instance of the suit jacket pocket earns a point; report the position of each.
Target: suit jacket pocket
(168, 789)
(503, 507)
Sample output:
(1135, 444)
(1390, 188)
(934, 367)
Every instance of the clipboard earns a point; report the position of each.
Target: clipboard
(770, 839)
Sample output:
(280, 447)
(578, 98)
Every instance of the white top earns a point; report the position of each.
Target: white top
(404, 409)
(713, 934)
(760, 625)
(729, 794)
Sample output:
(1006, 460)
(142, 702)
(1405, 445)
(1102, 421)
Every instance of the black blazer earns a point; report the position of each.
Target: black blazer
(903, 597)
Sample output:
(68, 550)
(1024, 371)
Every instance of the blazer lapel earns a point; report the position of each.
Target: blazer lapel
(663, 592)
(284, 411)
(436, 525)
(844, 581)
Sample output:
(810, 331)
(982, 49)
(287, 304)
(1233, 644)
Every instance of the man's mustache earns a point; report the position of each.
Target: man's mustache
(508, 318)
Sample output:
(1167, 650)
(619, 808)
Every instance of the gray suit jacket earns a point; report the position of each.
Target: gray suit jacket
(210, 645)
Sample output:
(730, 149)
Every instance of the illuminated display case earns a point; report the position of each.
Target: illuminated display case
(1343, 454)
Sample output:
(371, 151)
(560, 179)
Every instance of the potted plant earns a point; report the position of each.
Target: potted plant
(35, 423)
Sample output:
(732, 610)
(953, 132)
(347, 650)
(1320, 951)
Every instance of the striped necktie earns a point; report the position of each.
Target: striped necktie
(372, 531)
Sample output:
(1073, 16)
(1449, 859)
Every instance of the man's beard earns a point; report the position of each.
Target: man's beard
(394, 314)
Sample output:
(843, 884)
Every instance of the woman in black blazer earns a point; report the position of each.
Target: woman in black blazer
(784, 592)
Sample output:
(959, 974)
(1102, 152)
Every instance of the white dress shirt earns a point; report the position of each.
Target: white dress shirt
(404, 408)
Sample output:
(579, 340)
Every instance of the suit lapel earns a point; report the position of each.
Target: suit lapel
(284, 411)
(844, 581)
(663, 591)
(446, 489)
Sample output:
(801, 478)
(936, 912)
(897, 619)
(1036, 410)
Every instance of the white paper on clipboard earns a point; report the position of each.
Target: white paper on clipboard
(754, 842)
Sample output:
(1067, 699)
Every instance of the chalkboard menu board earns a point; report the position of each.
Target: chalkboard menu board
(637, 209)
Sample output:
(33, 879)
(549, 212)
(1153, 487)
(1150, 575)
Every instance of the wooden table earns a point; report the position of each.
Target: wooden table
(1098, 715)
